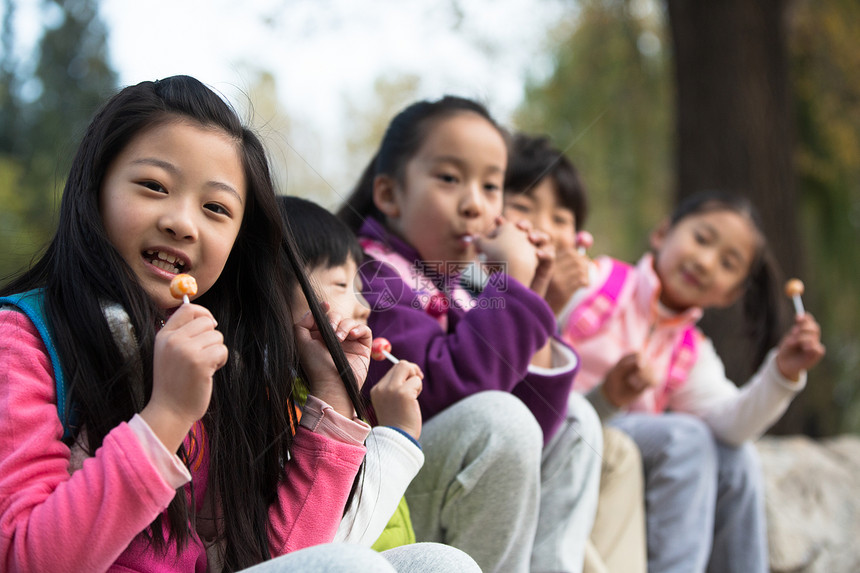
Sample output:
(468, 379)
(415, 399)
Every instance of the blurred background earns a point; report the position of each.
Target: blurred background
(651, 99)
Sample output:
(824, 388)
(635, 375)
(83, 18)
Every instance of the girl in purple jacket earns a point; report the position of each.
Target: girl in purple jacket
(429, 202)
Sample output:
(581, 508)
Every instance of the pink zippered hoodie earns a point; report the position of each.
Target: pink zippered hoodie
(54, 517)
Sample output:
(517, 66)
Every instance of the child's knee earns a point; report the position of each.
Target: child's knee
(740, 468)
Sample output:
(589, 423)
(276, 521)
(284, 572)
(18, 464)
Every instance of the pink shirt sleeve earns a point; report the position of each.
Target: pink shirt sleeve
(328, 450)
(51, 520)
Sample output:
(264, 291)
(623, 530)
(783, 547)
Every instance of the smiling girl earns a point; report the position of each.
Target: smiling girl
(138, 434)
(642, 354)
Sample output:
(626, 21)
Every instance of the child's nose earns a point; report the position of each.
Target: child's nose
(362, 308)
(178, 221)
(472, 203)
(707, 258)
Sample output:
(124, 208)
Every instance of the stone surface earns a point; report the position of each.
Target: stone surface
(812, 498)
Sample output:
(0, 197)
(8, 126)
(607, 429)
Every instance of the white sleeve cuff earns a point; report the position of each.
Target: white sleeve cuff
(168, 465)
(563, 360)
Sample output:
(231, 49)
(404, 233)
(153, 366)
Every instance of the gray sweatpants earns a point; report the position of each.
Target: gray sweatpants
(704, 500)
(490, 488)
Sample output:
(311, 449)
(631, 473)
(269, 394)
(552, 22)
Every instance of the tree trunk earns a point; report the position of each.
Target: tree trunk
(735, 133)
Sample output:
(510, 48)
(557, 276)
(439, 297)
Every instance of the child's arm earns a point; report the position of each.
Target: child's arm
(488, 348)
(737, 415)
(327, 453)
(395, 398)
(188, 352)
(99, 509)
(328, 447)
(528, 256)
(392, 460)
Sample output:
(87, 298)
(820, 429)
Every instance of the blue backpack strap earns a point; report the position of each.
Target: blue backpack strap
(32, 304)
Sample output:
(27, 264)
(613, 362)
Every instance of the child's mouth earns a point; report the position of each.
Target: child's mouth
(165, 261)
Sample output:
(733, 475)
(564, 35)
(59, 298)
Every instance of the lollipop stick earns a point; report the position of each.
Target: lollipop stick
(391, 357)
(185, 299)
(798, 305)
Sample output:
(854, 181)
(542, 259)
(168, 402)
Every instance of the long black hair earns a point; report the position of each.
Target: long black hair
(402, 140)
(763, 311)
(248, 424)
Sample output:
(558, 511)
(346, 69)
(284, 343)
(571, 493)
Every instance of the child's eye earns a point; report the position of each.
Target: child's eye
(447, 178)
(216, 208)
(492, 187)
(521, 207)
(563, 221)
(154, 186)
(730, 265)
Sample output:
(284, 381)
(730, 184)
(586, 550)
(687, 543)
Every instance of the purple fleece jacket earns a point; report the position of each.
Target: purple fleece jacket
(487, 348)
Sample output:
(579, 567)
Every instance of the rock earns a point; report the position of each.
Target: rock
(812, 501)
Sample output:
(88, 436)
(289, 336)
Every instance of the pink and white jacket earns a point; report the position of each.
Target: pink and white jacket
(61, 513)
(639, 323)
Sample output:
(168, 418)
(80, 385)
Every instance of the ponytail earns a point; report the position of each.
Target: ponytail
(359, 205)
(763, 311)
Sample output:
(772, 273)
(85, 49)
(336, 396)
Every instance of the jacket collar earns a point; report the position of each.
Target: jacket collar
(648, 292)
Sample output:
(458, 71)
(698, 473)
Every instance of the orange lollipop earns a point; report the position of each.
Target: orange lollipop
(182, 286)
(793, 289)
(381, 349)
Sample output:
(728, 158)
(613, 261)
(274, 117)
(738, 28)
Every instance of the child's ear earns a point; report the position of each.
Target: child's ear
(384, 196)
(658, 235)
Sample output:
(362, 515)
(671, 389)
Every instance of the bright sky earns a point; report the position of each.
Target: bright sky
(326, 54)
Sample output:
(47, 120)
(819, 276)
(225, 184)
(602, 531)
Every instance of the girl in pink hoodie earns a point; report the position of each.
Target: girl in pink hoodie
(141, 433)
(651, 372)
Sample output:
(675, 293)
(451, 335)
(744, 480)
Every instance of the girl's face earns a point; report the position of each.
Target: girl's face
(172, 202)
(704, 259)
(452, 189)
(543, 210)
(340, 287)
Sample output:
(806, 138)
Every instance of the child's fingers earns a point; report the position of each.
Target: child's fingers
(345, 327)
(185, 314)
(212, 349)
(405, 369)
(197, 326)
(414, 385)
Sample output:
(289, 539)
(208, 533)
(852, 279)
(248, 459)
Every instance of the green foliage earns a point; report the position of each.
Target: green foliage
(607, 103)
(39, 134)
(826, 86)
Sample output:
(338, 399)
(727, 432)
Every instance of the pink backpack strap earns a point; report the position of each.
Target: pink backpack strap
(587, 318)
(430, 298)
(684, 356)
